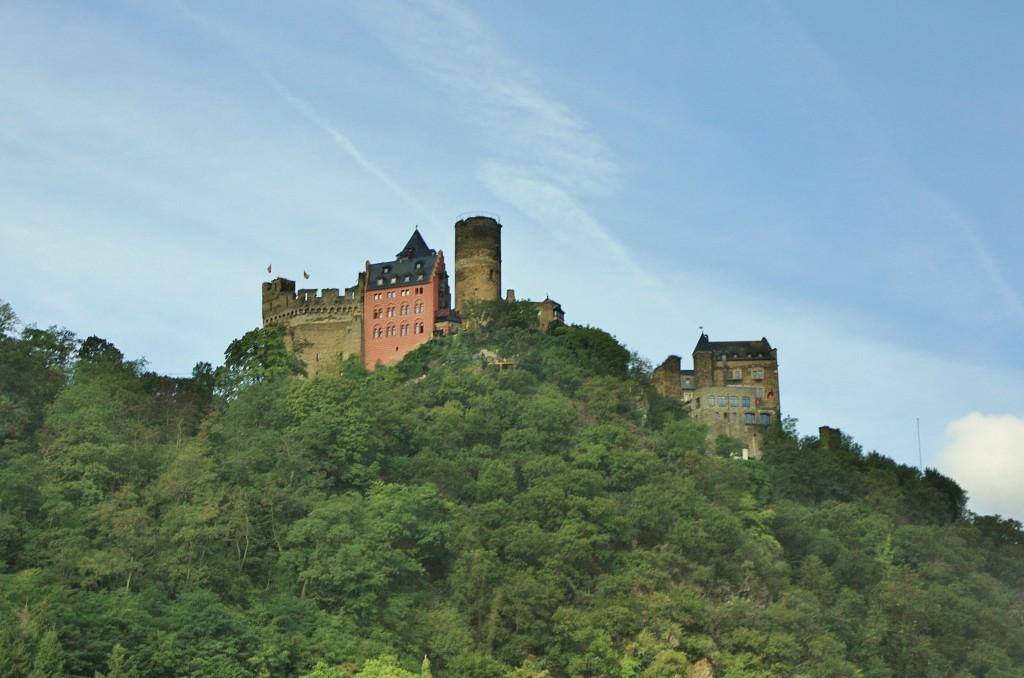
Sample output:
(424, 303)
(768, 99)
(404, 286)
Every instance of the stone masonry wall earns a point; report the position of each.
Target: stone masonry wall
(319, 325)
(477, 260)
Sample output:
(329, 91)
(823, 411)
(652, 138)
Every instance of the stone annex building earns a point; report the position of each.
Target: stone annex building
(733, 387)
(395, 305)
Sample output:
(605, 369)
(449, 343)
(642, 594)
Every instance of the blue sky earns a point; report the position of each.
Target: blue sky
(842, 178)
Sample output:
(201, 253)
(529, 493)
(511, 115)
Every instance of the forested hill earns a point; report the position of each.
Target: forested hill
(555, 517)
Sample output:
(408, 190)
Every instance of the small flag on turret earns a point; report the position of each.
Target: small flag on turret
(305, 275)
(268, 268)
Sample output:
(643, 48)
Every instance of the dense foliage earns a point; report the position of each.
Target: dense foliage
(555, 517)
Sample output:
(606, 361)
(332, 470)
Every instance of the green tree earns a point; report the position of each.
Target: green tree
(259, 355)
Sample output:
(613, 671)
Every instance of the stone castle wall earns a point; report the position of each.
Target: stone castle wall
(734, 388)
(667, 377)
(319, 325)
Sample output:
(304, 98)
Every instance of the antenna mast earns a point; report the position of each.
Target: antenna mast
(920, 462)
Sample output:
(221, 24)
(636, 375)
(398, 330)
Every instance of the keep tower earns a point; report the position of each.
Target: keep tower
(477, 260)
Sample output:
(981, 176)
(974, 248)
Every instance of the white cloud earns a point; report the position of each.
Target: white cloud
(985, 455)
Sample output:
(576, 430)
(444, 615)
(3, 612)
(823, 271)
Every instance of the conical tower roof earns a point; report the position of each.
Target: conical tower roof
(416, 247)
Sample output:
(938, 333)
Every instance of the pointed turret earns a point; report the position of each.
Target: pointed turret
(416, 247)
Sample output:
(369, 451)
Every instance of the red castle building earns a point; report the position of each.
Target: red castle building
(405, 302)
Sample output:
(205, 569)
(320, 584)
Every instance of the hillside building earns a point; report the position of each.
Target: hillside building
(733, 387)
(406, 301)
(319, 325)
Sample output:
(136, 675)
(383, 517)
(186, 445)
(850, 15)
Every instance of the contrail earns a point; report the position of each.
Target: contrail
(319, 120)
(323, 123)
(987, 261)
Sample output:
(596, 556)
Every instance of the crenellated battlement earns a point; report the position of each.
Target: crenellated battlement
(319, 324)
(282, 303)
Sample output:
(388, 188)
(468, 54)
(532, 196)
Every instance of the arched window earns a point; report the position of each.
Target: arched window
(378, 332)
(391, 330)
(405, 329)
(391, 311)
(405, 309)
(378, 313)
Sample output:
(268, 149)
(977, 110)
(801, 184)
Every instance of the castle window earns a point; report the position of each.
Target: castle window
(391, 311)
(419, 265)
(378, 296)
(378, 313)
(405, 293)
(406, 278)
(734, 401)
(419, 290)
(419, 276)
(387, 269)
(378, 332)
(394, 278)
(391, 294)
(380, 281)
(759, 391)
(718, 415)
(746, 403)
(419, 327)
(734, 415)
(405, 309)
(405, 329)
(721, 401)
(766, 418)
(757, 374)
(737, 374)
(419, 307)
(748, 418)
(696, 402)
(392, 330)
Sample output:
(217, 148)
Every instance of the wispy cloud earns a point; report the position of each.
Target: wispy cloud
(541, 158)
(308, 111)
(886, 170)
(983, 257)
(346, 144)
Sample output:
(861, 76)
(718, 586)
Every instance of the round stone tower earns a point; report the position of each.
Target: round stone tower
(477, 260)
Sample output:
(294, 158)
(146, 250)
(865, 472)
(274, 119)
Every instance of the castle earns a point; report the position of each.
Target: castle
(733, 387)
(395, 305)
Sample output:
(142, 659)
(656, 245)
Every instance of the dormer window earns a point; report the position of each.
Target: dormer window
(419, 265)
(387, 269)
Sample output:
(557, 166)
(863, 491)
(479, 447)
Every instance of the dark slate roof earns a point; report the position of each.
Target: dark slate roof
(736, 350)
(416, 247)
(414, 264)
